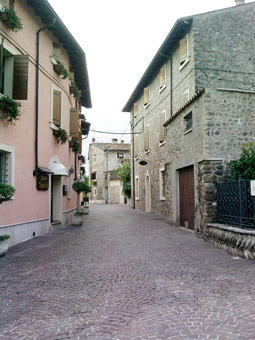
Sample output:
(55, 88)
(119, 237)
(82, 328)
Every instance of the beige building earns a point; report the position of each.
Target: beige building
(190, 113)
(105, 183)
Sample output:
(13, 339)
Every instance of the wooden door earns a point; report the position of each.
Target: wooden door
(187, 197)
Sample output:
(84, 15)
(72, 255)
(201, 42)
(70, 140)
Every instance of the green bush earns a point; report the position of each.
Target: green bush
(6, 192)
(245, 165)
(11, 20)
(10, 109)
(4, 237)
(80, 187)
(124, 173)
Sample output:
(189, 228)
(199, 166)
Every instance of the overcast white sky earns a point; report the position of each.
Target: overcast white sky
(120, 38)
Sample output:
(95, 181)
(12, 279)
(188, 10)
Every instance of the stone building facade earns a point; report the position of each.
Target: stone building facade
(190, 113)
(105, 183)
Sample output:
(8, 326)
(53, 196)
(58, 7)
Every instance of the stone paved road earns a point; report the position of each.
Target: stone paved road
(125, 275)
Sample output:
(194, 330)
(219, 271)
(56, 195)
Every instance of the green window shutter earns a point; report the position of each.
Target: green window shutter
(161, 127)
(20, 77)
(74, 123)
(56, 107)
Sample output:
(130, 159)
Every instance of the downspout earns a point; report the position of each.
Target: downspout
(35, 172)
(171, 87)
(133, 157)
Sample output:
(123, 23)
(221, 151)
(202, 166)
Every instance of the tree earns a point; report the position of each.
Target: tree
(245, 165)
(6, 192)
(79, 187)
(124, 173)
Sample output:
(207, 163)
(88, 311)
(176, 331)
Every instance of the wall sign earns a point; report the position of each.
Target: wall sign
(42, 182)
(252, 188)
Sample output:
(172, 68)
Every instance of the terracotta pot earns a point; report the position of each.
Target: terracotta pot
(57, 69)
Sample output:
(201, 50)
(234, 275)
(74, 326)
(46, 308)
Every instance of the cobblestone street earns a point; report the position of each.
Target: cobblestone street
(125, 275)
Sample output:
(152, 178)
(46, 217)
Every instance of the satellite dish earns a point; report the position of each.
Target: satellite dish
(93, 140)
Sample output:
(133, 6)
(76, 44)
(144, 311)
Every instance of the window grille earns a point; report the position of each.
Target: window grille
(3, 167)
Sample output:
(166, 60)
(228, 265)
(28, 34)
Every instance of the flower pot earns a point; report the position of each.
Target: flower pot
(85, 210)
(77, 219)
(55, 133)
(4, 245)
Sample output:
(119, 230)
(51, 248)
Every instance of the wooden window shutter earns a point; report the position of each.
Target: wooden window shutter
(136, 146)
(56, 51)
(56, 107)
(162, 76)
(20, 77)
(146, 95)
(74, 123)
(183, 50)
(80, 141)
(147, 138)
(161, 127)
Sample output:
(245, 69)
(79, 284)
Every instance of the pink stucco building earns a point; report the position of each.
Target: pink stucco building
(41, 169)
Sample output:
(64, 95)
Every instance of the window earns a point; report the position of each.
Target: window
(93, 175)
(14, 74)
(137, 188)
(162, 129)
(6, 164)
(135, 110)
(56, 51)
(120, 155)
(183, 51)
(185, 97)
(136, 146)
(74, 123)
(162, 78)
(56, 107)
(188, 122)
(95, 191)
(146, 96)
(147, 139)
(162, 183)
(94, 158)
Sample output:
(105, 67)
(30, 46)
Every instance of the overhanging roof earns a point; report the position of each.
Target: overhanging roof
(77, 56)
(178, 31)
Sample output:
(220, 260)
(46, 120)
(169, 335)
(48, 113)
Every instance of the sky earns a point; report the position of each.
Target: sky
(120, 38)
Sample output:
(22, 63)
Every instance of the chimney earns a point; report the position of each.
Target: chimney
(114, 140)
(122, 141)
(239, 2)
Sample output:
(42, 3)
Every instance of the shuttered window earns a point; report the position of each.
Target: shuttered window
(74, 123)
(135, 110)
(162, 129)
(147, 138)
(146, 96)
(80, 141)
(56, 51)
(162, 76)
(20, 77)
(56, 108)
(136, 146)
(183, 50)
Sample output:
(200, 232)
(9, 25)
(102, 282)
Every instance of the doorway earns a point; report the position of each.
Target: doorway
(187, 197)
(147, 194)
(56, 199)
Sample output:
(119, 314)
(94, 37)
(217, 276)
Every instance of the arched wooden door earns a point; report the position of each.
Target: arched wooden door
(147, 193)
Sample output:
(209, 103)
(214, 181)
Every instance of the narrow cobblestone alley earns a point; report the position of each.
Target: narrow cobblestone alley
(125, 275)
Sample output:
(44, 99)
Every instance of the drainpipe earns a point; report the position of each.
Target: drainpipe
(171, 87)
(37, 93)
(133, 157)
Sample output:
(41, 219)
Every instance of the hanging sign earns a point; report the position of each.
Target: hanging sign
(252, 188)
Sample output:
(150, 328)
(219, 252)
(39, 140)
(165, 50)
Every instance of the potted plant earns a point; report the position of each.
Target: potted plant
(77, 92)
(6, 193)
(9, 109)
(85, 127)
(61, 135)
(94, 182)
(10, 19)
(75, 145)
(61, 69)
(79, 187)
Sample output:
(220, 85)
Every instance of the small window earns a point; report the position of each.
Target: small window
(95, 191)
(56, 51)
(135, 110)
(95, 158)
(183, 51)
(7, 165)
(188, 122)
(147, 139)
(120, 155)
(162, 76)
(162, 183)
(146, 96)
(137, 188)
(93, 175)
(56, 113)
(162, 129)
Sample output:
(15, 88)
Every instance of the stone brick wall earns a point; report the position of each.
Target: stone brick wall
(97, 166)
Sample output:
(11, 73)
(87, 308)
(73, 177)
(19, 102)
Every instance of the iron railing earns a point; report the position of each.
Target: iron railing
(235, 205)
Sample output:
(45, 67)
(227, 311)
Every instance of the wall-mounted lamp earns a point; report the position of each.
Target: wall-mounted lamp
(71, 170)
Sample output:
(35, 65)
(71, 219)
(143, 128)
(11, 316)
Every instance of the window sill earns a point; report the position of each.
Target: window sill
(188, 131)
(53, 126)
(53, 60)
(148, 151)
(146, 105)
(136, 158)
(162, 199)
(162, 88)
(184, 64)
(162, 143)
(137, 199)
